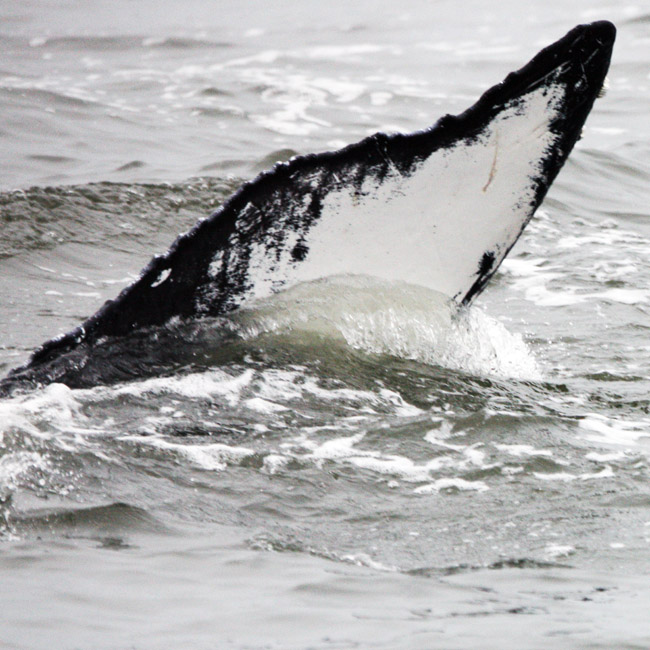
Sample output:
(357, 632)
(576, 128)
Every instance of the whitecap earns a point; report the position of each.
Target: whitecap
(451, 483)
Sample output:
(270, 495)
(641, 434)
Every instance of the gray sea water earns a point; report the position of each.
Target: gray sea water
(346, 466)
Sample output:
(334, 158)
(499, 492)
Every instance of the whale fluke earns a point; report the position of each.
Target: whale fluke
(439, 207)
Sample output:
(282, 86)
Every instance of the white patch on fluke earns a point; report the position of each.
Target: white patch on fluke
(161, 278)
(433, 226)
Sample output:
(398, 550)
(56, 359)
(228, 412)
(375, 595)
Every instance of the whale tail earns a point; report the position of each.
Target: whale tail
(440, 208)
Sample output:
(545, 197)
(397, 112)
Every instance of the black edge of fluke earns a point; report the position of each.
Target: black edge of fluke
(181, 283)
(589, 49)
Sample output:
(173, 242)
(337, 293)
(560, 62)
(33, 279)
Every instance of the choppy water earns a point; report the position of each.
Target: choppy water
(346, 465)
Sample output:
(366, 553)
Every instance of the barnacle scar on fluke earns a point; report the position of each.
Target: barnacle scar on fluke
(439, 208)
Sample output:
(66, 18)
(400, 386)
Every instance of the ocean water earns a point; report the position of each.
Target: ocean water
(348, 464)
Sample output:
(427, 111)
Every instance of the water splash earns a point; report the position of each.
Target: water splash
(397, 319)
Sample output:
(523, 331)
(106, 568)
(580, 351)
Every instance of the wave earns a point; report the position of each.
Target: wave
(393, 318)
(114, 215)
(313, 319)
(121, 43)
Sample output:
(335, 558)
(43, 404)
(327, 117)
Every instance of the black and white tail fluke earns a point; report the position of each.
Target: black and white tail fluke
(440, 208)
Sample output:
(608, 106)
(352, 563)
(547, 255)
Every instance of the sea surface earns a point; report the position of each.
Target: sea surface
(349, 464)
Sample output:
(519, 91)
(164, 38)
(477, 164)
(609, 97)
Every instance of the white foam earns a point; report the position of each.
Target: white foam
(609, 431)
(54, 405)
(438, 437)
(273, 463)
(555, 476)
(339, 450)
(624, 296)
(534, 276)
(263, 406)
(606, 235)
(482, 345)
(554, 551)
(195, 385)
(603, 458)
(294, 95)
(276, 385)
(16, 467)
(363, 559)
(401, 408)
(544, 297)
(345, 450)
(511, 471)
(606, 472)
(523, 450)
(531, 276)
(451, 483)
(212, 457)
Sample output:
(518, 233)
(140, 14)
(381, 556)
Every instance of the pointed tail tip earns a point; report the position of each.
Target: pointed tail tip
(602, 30)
